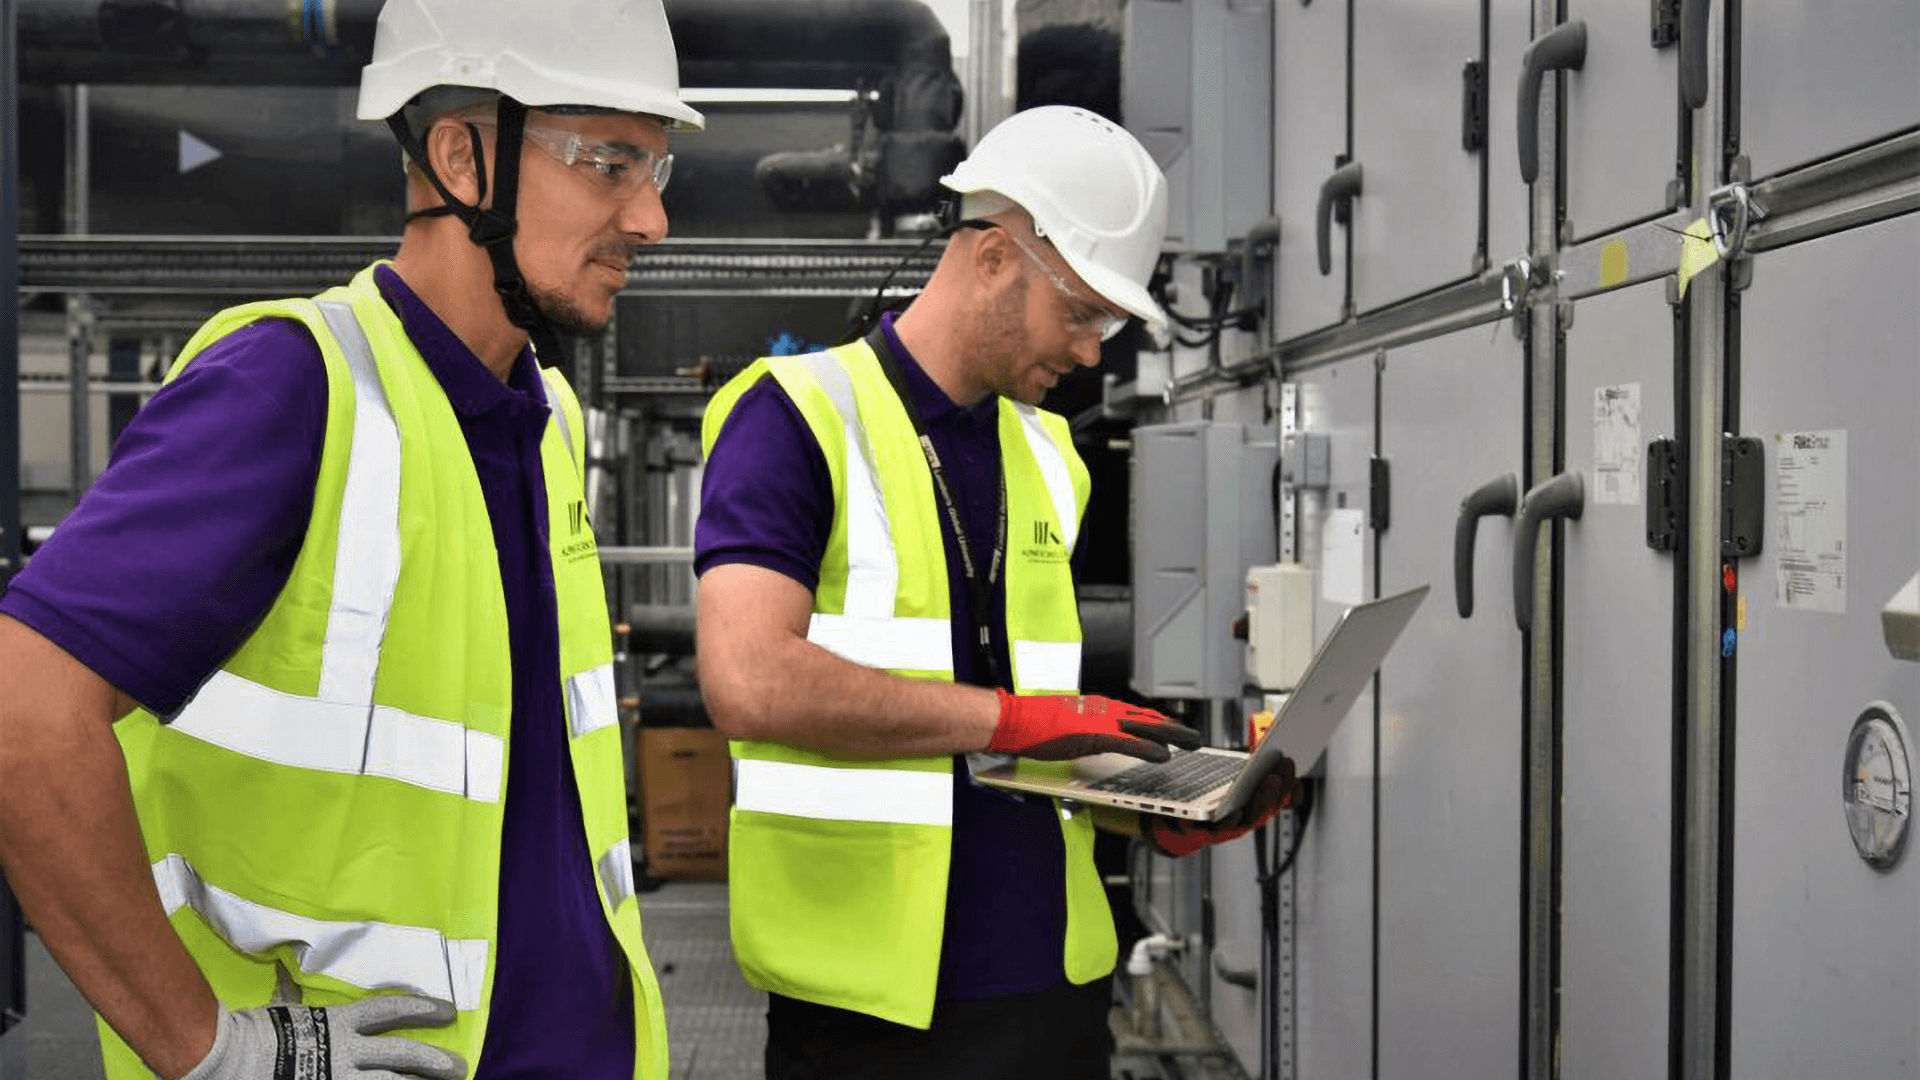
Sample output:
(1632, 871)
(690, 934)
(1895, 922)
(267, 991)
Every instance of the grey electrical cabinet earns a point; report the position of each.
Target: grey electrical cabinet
(1202, 513)
(1196, 90)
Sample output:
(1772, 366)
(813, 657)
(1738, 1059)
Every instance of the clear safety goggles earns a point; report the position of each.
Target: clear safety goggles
(620, 170)
(1083, 315)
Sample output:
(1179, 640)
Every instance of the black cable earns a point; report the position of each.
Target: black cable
(869, 316)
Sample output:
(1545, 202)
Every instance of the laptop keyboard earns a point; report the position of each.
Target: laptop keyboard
(1187, 776)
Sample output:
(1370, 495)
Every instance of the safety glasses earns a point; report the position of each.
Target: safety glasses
(1083, 315)
(620, 170)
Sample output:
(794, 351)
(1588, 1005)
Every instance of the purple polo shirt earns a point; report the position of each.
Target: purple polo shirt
(767, 499)
(182, 544)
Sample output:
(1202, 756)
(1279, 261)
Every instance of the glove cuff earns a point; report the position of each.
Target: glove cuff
(222, 1036)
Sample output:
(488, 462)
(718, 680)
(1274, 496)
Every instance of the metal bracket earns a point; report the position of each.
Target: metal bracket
(1666, 23)
(1473, 106)
(1564, 309)
(1306, 459)
(1664, 507)
(1379, 493)
(1676, 193)
(1743, 466)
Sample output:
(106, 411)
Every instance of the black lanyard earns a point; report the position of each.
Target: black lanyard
(985, 655)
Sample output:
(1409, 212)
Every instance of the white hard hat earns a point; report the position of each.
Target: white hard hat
(1093, 192)
(611, 54)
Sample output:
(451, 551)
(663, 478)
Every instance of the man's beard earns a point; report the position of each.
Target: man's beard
(562, 314)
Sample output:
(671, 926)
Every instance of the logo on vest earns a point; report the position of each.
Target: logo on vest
(579, 541)
(1046, 545)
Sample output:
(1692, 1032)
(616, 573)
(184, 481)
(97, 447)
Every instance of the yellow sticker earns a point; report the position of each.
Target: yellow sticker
(1697, 253)
(1740, 614)
(1613, 263)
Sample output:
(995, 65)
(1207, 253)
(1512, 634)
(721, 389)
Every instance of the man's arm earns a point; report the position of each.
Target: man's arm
(762, 679)
(72, 851)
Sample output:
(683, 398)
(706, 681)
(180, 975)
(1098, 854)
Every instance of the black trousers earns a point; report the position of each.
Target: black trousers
(1056, 1034)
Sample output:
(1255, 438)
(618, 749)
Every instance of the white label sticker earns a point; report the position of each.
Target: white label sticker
(1810, 508)
(1343, 545)
(1616, 444)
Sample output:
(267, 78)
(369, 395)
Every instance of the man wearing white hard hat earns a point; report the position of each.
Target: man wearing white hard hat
(311, 762)
(885, 593)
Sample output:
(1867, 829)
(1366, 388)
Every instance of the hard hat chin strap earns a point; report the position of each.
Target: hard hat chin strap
(492, 227)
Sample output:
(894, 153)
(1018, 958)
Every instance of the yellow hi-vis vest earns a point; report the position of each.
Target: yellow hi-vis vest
(326, 810)
(838, 864)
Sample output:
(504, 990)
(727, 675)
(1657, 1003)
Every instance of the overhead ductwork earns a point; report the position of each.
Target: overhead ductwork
(894, 53)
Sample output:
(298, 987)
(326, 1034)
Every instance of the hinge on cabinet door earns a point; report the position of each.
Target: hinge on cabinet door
(1666, 23)
(1473, 106)
(1743, 484)
(1379, 494)
(1664, 509)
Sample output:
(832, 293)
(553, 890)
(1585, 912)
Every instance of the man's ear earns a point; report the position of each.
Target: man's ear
(994, 259)
(450, 146)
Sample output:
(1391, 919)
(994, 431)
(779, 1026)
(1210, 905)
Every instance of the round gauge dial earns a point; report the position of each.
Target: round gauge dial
(1876, 784)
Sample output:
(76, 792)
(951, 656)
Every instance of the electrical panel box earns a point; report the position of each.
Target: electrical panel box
(1202, 514)
(1196, 88)
(1279, 624)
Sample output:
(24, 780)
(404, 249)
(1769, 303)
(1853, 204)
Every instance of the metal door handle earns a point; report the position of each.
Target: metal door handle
(1344, 184)
(1564, 496)
(1564, 46)
(1497, 496)
(1693, 52)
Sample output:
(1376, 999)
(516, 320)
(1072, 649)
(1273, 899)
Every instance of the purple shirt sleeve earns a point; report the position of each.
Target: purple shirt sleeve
(181, 545)
(766, 498)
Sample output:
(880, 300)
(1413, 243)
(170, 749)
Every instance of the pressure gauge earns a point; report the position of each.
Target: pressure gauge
(1876, 785)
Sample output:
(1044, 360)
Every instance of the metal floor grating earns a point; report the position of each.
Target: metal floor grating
(716, 1023)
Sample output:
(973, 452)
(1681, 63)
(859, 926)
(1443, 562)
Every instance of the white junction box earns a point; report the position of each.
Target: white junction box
(1279, 624)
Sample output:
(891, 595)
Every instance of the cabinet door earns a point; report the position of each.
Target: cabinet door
(1622, 113)
(1451, 746)
(1816, 79)
(1334, 875)
(1617, 696)
(1310, 132)
(1825, 959)
(1416, 226)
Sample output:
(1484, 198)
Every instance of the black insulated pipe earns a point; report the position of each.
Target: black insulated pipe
(1497, 496)
(1562, 48)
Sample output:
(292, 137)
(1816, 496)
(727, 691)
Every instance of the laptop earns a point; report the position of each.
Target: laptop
(1209, 784)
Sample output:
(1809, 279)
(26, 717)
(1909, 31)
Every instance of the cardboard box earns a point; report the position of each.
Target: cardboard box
(686, 787)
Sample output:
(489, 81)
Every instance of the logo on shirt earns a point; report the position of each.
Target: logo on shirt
(1046, 545)
(579, 543)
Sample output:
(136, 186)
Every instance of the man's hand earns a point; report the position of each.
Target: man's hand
(1055, 728)
(299, 1042)
(1177, 837)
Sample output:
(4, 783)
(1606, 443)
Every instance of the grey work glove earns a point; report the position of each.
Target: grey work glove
(302, 1042)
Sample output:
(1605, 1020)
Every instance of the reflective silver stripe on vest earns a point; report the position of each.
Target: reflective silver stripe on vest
(899, 796)
(366, 565)
(287, 729)
(340, 729)
(1047, 665)
(590, 700)
(548, 375)
(616, 873)
(903, 644)
(369, 955)
(873, 570)
(1053, 470)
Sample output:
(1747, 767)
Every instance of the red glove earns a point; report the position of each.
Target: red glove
(1054, 728)
(1178, 836)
